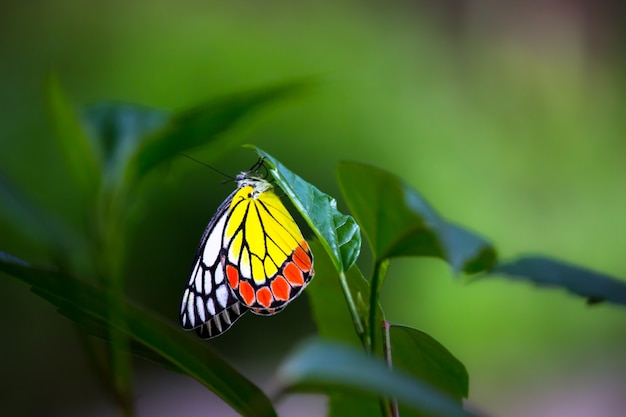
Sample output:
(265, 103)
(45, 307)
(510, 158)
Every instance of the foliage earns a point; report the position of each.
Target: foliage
(363, 363)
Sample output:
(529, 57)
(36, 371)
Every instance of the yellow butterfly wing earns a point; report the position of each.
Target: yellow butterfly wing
(252, 256)
(267, 261)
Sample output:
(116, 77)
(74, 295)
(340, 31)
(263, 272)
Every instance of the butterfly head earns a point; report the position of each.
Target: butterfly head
(252, 256)
(254, 179)
(257, 185)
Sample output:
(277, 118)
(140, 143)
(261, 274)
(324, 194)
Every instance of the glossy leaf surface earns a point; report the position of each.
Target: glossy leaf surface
(339, 233)
(398, 221)
(326, 367)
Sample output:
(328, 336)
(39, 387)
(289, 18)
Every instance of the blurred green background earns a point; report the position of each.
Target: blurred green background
(509, 119)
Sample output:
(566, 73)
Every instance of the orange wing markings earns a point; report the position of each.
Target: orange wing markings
(233, 276)
(293, 274)
(280, 288)
(247, 292)
(277, 290)
(302, 259)
(252, 255)
(264, 297)
(268, 262)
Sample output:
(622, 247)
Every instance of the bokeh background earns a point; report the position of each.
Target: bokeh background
(507, 116)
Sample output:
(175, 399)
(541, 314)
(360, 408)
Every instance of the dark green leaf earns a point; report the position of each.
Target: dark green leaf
(81, 302)
(592, 285)
(206, 123)
(398, 221)
(118, 129)
(352, 404)
(35, 223)
(327, 367)
(423, 357)
(338, 233)
(80, 156)
(90, 326)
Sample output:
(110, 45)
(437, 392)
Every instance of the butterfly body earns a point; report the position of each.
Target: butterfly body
(252, 256)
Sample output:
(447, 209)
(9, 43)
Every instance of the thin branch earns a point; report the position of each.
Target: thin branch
(356, 318)
(392, 403)
(380, 270)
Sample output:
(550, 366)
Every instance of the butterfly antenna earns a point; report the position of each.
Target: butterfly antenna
(267, 172)
(257, 165)
(230, 177)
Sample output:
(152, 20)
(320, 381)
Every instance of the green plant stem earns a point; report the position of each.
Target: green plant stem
(356, 318)
(120, 359)
(380, 270)
(100, 367)
(96, 360)
(109, 260)
(391, 403)
(388, 406)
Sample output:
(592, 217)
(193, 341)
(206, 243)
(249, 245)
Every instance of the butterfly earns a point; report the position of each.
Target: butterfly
(252, 256)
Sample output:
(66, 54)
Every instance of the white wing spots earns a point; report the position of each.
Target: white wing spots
(200, 309)
(221, 293)
(184, 303)
(244, 265)
(214, 243)
(207, 286)
(210, 306)
(190, 315)
(218, 278)
(220, 322)
(198, 279)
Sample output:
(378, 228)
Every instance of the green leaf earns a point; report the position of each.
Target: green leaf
(79, 153)
(398, 221)
(352, 404)
(118, 130)
(592, 285)
(205, 123)
(328, 367)
(338, 233)
(83, 302)
(423, 357)
(37, 224)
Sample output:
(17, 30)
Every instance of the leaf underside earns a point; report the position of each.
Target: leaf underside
(594, 286)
